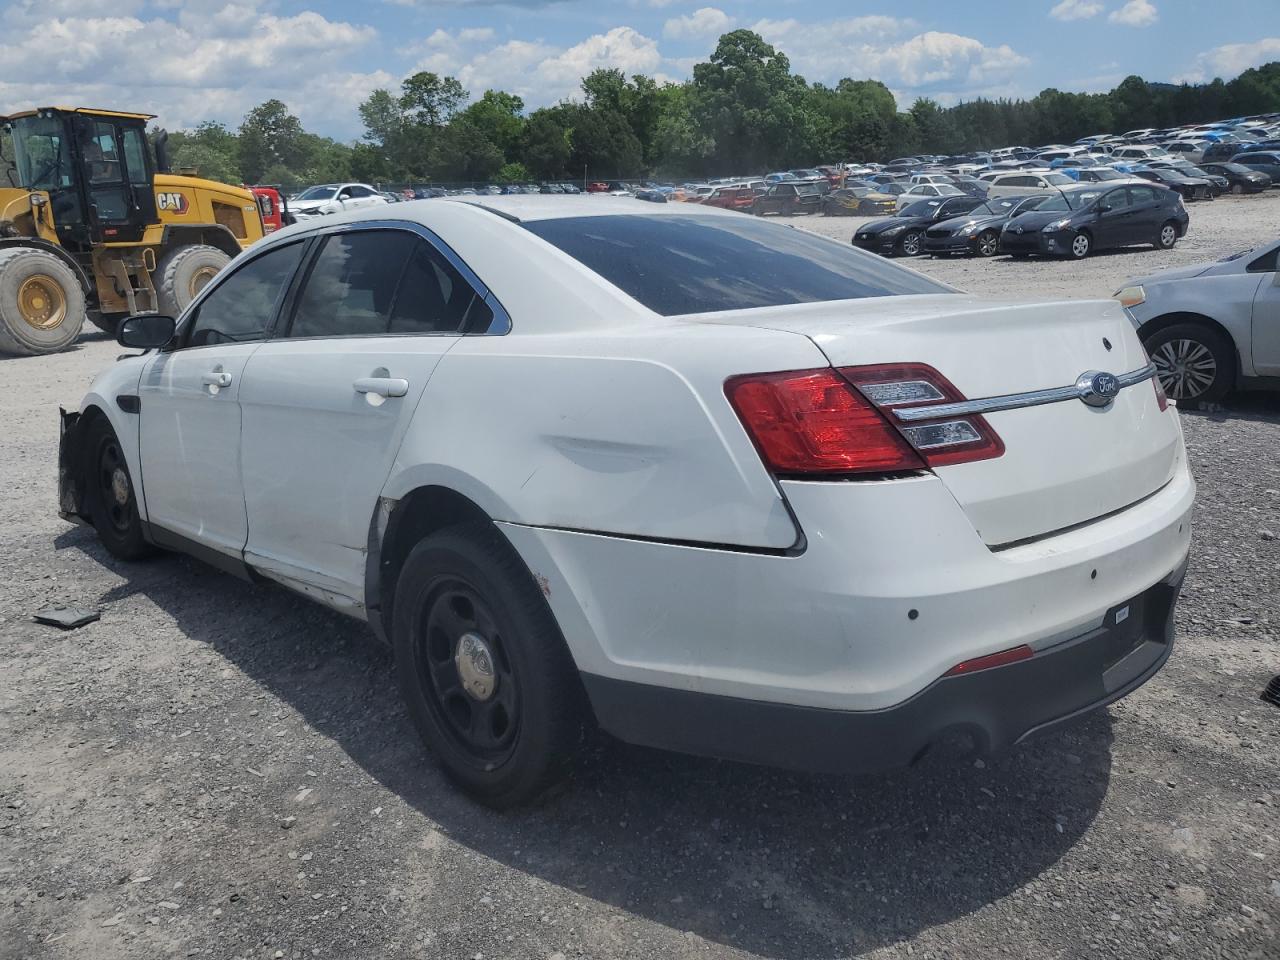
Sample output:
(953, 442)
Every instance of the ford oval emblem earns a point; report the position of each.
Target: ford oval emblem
(1097, 389)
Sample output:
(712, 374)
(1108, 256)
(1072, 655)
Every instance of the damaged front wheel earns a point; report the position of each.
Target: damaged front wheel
(112, 502)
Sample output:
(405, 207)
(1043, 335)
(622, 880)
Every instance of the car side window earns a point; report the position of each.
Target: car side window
(1116, 199)
(433, 296)
(1141, 195)
(1267, 263)
(351, 286)
(360, 192)
(240, 308)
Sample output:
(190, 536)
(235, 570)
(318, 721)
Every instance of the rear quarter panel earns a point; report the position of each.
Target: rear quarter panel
(625, 432)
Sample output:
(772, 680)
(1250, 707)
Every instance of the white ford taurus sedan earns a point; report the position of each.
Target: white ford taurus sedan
(715, 484)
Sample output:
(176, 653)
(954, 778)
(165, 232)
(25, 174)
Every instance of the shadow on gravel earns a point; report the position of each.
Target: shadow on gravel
(1257, 406)
(778, 864)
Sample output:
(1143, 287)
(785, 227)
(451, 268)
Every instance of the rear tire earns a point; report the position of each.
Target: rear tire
(1167, 236)
(468, 612)
(109, 490)
(1194, 362)
(41, 302)
(183, 272)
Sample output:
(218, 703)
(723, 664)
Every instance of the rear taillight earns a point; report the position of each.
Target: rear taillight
(942, 441)
(842, 421)
(808, 422)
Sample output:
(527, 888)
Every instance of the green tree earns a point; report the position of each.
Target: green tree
(748, 101)
(499, 116)
(269, 135)
(462, 152)
(545, 151)
(430, 100)
(513, 173)
(205, 161)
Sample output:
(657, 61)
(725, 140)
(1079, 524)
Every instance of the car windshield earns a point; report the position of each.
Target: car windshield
(1075, 200)
(682, 264)
(1107, 175)
(921, 208)
(317, 193)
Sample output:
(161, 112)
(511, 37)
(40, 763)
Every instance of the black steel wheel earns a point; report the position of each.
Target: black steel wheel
(476, 694)
(488, 679)
(110, 493)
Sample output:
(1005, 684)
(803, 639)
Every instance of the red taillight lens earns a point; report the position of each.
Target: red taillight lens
(814, 422)
(991, 660)
(942, 441)
(1161, 400)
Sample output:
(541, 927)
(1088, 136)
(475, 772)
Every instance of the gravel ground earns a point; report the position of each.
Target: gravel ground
(216, 769)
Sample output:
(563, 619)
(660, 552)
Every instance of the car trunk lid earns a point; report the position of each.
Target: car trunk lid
(1065, 463)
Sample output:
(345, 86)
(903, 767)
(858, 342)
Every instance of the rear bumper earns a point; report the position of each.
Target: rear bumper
(994, 708)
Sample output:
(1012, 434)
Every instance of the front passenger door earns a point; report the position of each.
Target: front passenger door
(189, 413)
(1112, 227)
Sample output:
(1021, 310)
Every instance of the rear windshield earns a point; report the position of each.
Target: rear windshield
(699, 264)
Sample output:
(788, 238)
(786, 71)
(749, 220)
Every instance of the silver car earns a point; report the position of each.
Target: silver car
(1211, 328)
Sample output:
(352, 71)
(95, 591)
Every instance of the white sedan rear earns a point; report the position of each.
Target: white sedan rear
(714, 484)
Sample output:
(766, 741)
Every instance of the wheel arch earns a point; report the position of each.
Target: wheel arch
(35, 243)
(396, 526)
(1166, 320)
(208, 234)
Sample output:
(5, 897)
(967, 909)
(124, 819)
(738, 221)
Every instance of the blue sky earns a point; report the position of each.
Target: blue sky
(188, 61)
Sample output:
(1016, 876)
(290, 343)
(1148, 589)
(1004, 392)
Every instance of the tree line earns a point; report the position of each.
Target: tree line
(742, 111)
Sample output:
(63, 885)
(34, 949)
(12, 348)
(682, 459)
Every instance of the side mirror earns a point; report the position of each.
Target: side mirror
(146, 331)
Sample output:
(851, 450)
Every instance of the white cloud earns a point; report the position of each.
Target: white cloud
(938, 64)
(1135, 13)
(1231, 59)
(704, 22)
(207, 64)
(1076, 10)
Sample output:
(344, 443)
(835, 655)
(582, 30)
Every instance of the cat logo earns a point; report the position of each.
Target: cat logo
(173, 202)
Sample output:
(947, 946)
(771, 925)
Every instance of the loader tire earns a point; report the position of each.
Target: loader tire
(107, 323)
(183, 272)
(41, 303)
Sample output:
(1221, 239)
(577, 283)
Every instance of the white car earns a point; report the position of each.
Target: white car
(923, 191)
(718, 485)
(1024, 183)
(330, 198)
(1211, 328)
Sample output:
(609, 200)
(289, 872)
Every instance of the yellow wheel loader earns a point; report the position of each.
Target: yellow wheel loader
(90, 229)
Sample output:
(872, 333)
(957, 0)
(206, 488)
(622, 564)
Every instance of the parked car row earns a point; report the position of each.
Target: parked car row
(1069, 223)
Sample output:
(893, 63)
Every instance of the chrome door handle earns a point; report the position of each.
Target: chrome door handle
(216, 378)
(382, 386)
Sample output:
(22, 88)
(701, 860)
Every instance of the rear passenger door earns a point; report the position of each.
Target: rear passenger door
(1146, 213)
(327, 400)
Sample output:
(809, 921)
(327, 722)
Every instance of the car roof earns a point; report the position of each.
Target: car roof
(528, 208)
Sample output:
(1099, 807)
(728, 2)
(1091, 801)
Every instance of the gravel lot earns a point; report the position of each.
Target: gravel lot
(221, 770)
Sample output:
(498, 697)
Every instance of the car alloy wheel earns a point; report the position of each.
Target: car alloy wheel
(1168, 236)
(476, 695)
(911, 244)
(1186, 368)
(988, 244)
(1237, 188)
(1080, 246)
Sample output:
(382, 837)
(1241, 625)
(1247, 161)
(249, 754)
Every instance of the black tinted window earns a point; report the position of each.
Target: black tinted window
(1139, 195)
(351, 285)
(433, 296)
(1265, 263)
(682, 264)
(243, 304)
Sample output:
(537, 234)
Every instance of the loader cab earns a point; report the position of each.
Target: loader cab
(96, 167)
